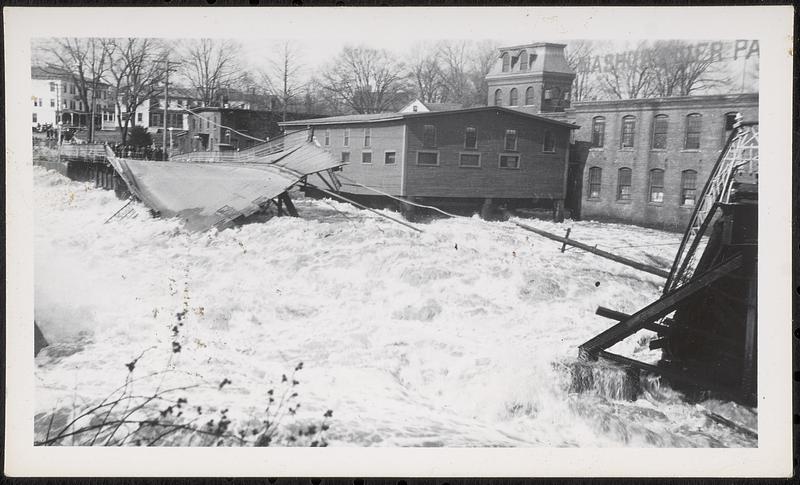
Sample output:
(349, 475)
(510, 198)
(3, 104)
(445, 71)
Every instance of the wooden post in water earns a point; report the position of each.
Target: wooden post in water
(605, 254)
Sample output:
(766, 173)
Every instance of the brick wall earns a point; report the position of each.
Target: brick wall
(642, 158)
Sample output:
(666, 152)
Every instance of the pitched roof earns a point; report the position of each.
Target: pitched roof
(357, 118)
(382, 117)
(443, 106)
(42, 72)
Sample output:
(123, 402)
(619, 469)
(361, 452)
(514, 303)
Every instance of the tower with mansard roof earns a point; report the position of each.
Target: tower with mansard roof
(535, 78)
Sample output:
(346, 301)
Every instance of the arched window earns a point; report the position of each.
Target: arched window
(512, 97)
(693, 126)
(506, 61)
(628, 131)
(595, 174)
(624, 184)
(660, 125)
(498, 97)
(688, 187)
(529, 96)
(523, 61)
(598, 131)
(656, 185)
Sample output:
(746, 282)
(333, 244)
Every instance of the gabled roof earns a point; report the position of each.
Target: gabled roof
(46, 72)
(444, 106)
(383, 117)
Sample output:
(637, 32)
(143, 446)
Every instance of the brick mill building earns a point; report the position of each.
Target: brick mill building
(645, 161)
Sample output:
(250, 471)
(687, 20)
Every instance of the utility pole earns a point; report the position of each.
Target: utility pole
(166, 105)
(58, 119)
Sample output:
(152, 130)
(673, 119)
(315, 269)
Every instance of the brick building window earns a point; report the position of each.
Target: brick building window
(52, 87)
(469, 160)
(427, 158)
(628, 131)
(345, 157)
(523, 61)
(52, 103)
(327, 138)
(346, 137)
(510, 141)
(506, 61)
(624, 184)
(513, 98)
(598, 131)
(529, 96)
(34, 118)
(498, 97)
(549, 144)
(509, 161)
(366, 157)
(657, 185)
(688, 187)
(471, 138)
(428, 136)
(660, 126)
(367, 137)
(595, 176)
(693, 126)
(389, 158)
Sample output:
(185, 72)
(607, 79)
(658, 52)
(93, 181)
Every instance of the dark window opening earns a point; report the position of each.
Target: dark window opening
(598, 132)
(688, 187)
(657, 185)
(471, 138)
(595, 174)
(624, 184)
(511, 141)
(628, 131)
(660, 126)
(693, 127)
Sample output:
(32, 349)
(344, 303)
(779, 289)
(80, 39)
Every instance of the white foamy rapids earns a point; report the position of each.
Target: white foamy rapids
(459, 336)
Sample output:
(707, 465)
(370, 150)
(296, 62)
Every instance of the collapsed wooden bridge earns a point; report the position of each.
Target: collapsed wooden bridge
(706, 318)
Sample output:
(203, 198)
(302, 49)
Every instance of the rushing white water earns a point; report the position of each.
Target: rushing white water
(458, 336)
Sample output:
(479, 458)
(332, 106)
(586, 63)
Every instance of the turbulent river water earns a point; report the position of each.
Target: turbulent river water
(463, 335)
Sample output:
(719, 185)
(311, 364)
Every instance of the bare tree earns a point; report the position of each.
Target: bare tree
(680, 69)
(626, 76)
(425, 73)
(86, 61)
(483, 56)
(209, 65)
(135, 71)
(455, 59)
(282, 76)
(366, 80)
(579, 57)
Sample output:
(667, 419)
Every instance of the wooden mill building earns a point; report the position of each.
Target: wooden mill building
(454, 157)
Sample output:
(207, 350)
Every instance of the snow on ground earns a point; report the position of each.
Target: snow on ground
(451, 337)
